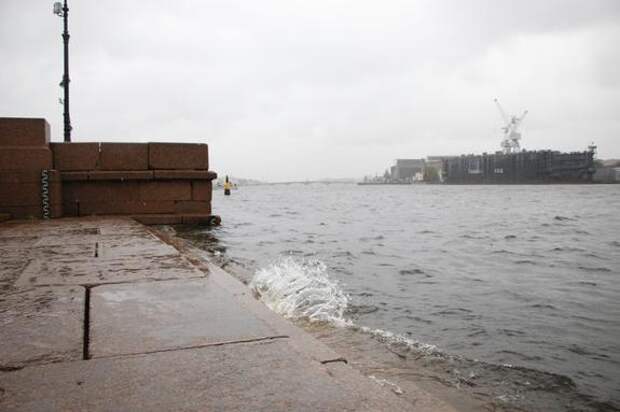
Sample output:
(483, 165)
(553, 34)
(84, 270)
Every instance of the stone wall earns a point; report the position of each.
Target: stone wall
(158, 183)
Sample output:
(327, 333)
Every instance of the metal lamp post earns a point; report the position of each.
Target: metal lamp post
(63, 11)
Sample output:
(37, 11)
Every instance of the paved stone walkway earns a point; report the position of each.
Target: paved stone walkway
(100, 314)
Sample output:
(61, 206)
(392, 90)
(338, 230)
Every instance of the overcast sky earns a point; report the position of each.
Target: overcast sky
(293, 90)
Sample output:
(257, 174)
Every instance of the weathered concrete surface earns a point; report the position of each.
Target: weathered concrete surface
(265, 376)
(160, 330)
(91, 271)
(148, 317)
(84, 252)
(41, 325)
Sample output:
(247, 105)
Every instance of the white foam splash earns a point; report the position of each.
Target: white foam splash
(392, 338)
(384, 382)
(300, 289)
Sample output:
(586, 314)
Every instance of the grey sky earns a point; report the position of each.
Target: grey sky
(291, 89)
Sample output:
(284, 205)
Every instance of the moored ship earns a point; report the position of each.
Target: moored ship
(525, 167)
(515, 166)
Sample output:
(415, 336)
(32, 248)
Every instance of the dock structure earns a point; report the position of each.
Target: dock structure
(99, 313)
(525, 167)
(157, 183)
(102, 313)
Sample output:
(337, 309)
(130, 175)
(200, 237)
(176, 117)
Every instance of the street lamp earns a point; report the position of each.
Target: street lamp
(63, 11)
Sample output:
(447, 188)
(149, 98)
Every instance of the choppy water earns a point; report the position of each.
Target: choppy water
(525, 279)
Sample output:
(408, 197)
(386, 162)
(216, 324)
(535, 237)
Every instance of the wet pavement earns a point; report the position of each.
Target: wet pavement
(101, 314)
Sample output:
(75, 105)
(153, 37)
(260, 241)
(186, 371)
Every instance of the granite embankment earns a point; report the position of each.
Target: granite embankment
(101, 314)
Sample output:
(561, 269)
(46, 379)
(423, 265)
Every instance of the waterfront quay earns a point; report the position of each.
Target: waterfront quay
(100, 313)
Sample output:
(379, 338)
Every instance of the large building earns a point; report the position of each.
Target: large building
(407, 169)
(544, 166)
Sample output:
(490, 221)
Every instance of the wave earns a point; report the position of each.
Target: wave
(395, 339)
(301, 289)
(594, 269)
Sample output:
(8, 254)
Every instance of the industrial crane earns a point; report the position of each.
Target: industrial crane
(510, 143)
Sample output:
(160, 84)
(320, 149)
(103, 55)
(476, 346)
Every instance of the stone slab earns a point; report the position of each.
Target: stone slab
(75, 156)
(146, 317)
(264, 376)
(159, 219)
(18, 131)
(178, 219)
(20, 194)
(25, 158)
(27, 176)
(192, 206)
(202, 190)
(124, 156)
(178, 156)
(72, 251)
(100, 191)
(200, 219)
(122, 226)
(120, 175)
(41, 325)
(166, 190)
(61, 227)
(24, 198)
(128, 207)
(145, 244)
(31, 212)
(10, 271)
(95, 271)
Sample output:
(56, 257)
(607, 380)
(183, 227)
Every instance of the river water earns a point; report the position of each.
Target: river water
(509, 293)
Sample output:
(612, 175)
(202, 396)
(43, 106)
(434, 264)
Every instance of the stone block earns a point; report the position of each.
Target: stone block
(192, 206)
(196, 218)
(120, 175)
(69, 209)
(41, 325)
(159, 219)
(166, 190)
(15, 131)
(202, 190)
(25, 158)
(178, 156)
(55, 193)
(184, 174)
(75, 156)
(32, 212)
(261, 376)
(20, 194)
(56, 210)
(144, 245)
(100, 191)
(124, 156)
(22, 212)
(28, 194)
(97, 271)
(27, 176)
(129, 207)
(146, 317)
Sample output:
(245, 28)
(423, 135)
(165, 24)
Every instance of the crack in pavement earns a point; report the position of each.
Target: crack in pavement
(205, 345)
